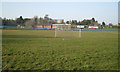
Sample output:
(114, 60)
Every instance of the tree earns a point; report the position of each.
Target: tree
(93, 19)
(30, 23)
(103, 23)
(68, 22)
(74, 22)
(35, 20)
(96, 23)
(4, 21)
(85, 22)
(78, 23)
(0, 21)
(20, 20)
(46, 20)
(26, 19)
(118, 23)
(8, 22)
(40, 22)
(46, 16)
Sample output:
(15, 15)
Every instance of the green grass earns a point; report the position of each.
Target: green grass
(39, 49)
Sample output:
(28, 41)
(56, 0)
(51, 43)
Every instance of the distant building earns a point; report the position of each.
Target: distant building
(44, 26)
(82, 26)
(53, 23)
(60, 21)
(93, 27)
(61, 26)
(118, 25)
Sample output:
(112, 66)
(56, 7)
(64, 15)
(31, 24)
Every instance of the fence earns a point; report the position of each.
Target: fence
(54, 29)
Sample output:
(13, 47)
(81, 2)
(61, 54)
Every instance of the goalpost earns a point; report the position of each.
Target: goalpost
(65, 31)
(55, 31)
(80, 33)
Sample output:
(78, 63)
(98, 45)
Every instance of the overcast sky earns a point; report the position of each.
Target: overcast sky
(101, 11)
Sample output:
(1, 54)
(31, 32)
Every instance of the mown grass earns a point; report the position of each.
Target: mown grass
(39, 49)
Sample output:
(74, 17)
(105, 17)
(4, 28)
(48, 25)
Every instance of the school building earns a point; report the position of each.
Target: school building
(56, 23)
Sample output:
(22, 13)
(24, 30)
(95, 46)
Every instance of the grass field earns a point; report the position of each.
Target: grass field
(39, 49)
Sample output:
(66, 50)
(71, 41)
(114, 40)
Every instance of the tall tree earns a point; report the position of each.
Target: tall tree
(74, 22)
(20, 20)
(30, 23)
(40, 22)
(103, 23)
(68, 22)
(0, 21)
(46, 20)
(36, 20)
(4, 21)
(79, 23)
(46, 16)
(93, 19)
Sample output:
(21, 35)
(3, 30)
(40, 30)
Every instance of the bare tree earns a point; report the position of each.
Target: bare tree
(30, 23)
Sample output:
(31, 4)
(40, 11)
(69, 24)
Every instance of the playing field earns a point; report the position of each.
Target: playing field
(39, 49)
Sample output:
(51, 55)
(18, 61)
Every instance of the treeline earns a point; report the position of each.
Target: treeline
(91, 22)
(31, 22)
